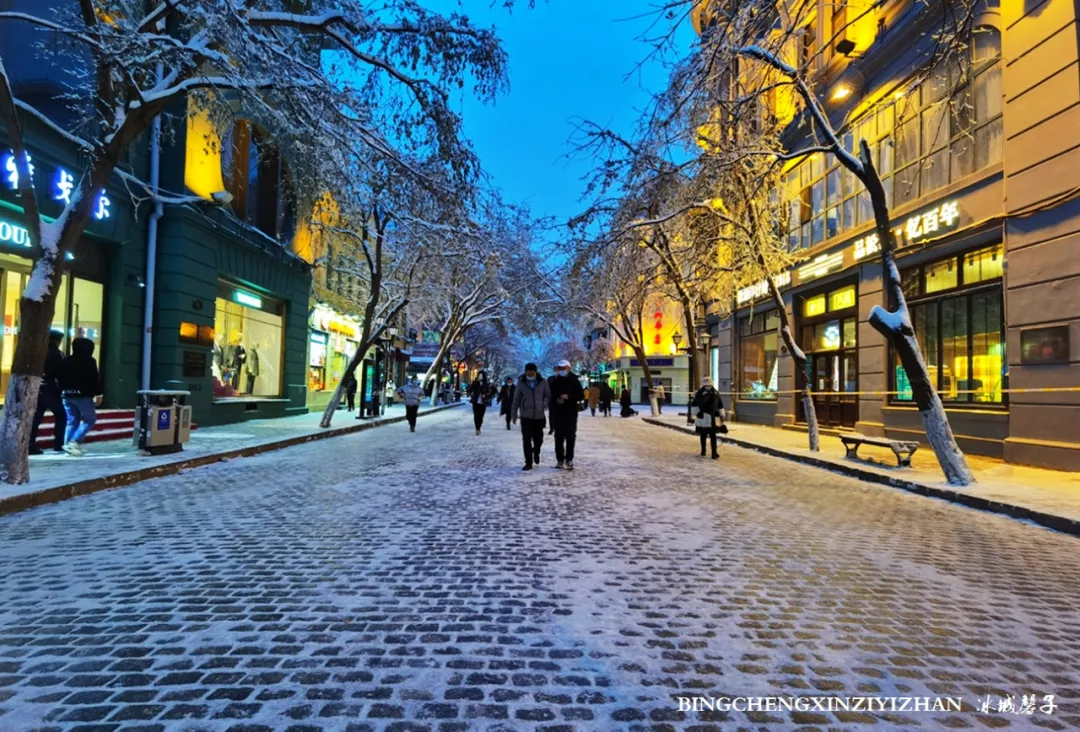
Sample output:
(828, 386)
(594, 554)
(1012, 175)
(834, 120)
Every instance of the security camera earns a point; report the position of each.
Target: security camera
(222, 198)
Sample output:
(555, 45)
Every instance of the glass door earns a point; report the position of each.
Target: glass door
(12, 284)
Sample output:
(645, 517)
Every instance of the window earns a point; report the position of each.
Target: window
(959, 324)
(257, 176)
(921, 139)
(249, 336)
(814, 306)
(758, 366)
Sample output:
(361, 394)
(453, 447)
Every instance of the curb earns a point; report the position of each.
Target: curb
(1048, 520)
(56, 494)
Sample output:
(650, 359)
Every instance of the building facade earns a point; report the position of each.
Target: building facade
(663, 332)
(983, 189)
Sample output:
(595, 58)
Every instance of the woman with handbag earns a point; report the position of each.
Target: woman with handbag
(708, 420)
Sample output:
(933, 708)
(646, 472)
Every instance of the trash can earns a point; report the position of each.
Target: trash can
(162, 421)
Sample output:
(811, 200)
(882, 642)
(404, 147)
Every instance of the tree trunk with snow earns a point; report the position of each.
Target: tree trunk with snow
(647, 375)
(897, 328)
(36, 309)
(436, 370)
(803, 378)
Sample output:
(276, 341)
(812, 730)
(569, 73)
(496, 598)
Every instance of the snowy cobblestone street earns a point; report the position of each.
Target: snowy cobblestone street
(396, 581)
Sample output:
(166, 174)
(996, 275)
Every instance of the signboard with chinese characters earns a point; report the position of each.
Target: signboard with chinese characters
(761, 289)
(926, 225)
(62, 186)
(820, 266)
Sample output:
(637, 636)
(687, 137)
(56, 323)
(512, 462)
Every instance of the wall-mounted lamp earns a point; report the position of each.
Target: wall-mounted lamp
(222, 198)
(136, 280)
(841, 92)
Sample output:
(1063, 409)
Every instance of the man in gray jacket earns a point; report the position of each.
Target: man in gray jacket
(411, 393)
(531, 399)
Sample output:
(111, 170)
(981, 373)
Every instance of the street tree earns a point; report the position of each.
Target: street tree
(751, 70)
(395, 64)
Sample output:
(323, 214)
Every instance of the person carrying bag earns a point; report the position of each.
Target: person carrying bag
(707, 419)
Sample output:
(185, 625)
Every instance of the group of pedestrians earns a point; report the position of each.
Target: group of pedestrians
(533, 400)
(70, 389)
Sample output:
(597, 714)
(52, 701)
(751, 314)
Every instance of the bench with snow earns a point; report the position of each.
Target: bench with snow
(901, 448)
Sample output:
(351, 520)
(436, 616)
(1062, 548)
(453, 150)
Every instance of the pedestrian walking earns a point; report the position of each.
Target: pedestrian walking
(412, 394)
(607, 396)
(80, 384)
(708, 421)
(478, 397)
(506, 400)
(350, 392)
(594, 398)
(566, 396)
(659, 398)
(627, 404)
(50, 397)
(531, 399)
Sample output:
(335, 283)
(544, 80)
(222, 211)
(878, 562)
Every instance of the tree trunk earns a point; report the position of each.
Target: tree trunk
(653, 404)
(339, 391)
(803, 378)
(436, 368)
(896, 326)
(28, 360)
(692, 357)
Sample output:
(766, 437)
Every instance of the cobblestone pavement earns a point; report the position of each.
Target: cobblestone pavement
(397, 581)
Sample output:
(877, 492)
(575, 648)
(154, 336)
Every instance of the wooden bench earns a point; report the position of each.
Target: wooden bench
(901, 448)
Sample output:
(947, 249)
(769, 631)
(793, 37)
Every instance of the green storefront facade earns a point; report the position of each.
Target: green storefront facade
(212, 271)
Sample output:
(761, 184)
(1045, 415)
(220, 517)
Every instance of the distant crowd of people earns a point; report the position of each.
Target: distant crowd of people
(553, 404)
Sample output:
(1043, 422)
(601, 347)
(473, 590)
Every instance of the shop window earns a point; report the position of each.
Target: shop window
(249, 336)
(985, 264)
(827, 336)
(941, 276)
(758, 365)
(961, 333)
(80, 306)
(814, 306)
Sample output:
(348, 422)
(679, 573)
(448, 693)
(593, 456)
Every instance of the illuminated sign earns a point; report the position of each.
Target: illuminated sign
(761, 289)
(13, 234)
(245, 298)
(63, 184)
(319, 338)
(12, 172)
(821, 266)
(101, 211)
(937, 220)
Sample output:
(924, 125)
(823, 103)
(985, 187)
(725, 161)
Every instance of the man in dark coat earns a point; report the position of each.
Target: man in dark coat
(607, 396)
(49, 396)
(530, 403)
(566, 396)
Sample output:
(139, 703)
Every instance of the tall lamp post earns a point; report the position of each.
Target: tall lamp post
(703, 339)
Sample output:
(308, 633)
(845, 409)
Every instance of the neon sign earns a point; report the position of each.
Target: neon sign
(248, 299)
(761, 289)
(13, 170)
(921, 226)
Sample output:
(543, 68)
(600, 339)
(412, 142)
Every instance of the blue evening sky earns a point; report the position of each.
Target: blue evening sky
(569, 59)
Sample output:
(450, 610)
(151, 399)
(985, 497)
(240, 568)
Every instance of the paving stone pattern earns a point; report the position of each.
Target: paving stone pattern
(397, 581)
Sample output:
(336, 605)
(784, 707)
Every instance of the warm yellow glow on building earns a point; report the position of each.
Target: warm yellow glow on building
(311, 239)
(202, 156)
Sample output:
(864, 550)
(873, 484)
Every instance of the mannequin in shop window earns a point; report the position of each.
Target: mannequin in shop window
(235, 358)
(218, 362)
(252, 368)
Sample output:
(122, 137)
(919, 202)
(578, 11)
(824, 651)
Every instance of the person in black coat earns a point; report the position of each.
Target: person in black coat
(627, 404)
(708, 422)
(479, 391)
(607, 396)
(49, 396)
(81, 386)
(506, 400)
(566, 396)
(350, 392)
